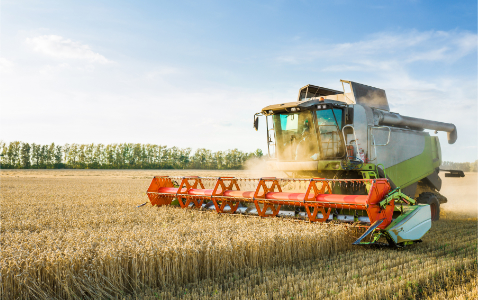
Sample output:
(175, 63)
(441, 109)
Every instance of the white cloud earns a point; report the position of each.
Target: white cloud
(62, 48)
(159, 73)
(5, 64)
(422, 73)
(388, 47)
(174, 104)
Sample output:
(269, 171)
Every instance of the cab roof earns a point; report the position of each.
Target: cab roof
(285, 107)
(310, 95)
(312, 91)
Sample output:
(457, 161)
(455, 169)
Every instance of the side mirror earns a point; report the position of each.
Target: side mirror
(256, 122)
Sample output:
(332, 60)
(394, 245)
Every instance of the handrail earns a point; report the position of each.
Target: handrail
(269, 139)
(373, 139)
(345, 139)
(389, 132)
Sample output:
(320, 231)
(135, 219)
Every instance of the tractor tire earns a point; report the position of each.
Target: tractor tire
(432, 200)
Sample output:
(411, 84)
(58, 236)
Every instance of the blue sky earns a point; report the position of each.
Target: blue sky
(193, 73)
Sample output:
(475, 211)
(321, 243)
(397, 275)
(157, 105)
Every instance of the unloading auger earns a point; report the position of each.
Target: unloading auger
(368, 203)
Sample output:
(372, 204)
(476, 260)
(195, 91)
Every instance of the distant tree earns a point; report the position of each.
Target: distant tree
(258, 153)
(120, 156)
(174, 157)
(199, 158)
(134, 155)
(35, 156)
(13, 154)
(3, 153)
(58, 153)
(25, 156)
(66, 150)
(73, 153)
(49, 156)
(464, 166)
(184, 158)
(474, 166)
(233, 159)
(166, 158)
(82, 162)
(4, 156)
(98, 159)
(146, 156)
(162, 157)
(110, 155)
(43, 156)
(89, 155)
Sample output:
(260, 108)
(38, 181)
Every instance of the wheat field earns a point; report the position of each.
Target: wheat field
(83, 236)
(78, 234)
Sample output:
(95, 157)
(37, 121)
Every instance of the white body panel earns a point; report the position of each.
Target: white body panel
(360, 127)
(286, 213)
(413, 226)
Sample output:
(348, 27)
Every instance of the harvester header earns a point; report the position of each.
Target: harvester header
(370, 203)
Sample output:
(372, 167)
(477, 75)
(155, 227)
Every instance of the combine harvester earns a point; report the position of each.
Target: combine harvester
(354, 161)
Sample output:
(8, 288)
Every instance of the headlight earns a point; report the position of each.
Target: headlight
(293, 109)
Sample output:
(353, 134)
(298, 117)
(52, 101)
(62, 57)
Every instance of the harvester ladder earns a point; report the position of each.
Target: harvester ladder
(330, 142)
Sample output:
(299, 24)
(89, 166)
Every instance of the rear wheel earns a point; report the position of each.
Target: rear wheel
(432, 200)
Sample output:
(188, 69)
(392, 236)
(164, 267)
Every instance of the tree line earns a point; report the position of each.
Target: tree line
(464, 166)
(19, 155)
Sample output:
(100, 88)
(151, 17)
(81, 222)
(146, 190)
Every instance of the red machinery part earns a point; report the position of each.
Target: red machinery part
(318, 197)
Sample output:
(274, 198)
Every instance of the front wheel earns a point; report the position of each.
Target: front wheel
(432, 200)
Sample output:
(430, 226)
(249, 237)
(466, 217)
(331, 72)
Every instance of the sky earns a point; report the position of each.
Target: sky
(194, 73)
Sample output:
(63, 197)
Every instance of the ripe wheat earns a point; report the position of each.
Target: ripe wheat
(84, 237)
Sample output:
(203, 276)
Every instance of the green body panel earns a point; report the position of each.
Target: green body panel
(405, 173)
(334, 165)
(396, 194)
(416, 168)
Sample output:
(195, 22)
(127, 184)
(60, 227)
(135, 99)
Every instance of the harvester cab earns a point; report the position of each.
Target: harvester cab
(351, 160)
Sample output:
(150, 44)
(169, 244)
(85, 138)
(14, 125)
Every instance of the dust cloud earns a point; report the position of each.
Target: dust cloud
(462, 194)
(257, 167)
(375, 98)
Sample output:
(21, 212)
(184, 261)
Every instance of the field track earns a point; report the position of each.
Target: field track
(77, 234)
